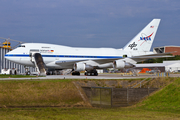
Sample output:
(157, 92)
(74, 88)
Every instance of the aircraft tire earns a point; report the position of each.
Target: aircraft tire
(91, 73)
(76, 73)
(88, 74)
(95, 74)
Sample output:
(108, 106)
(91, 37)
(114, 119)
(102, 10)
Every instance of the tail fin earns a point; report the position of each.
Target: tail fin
(143, 40)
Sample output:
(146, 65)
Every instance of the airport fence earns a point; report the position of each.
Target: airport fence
(115, 97)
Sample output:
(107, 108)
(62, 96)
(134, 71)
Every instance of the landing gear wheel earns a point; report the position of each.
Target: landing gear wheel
(96, 74)
(76, 73)
(88, 74)
(54, 72)
(91, 73)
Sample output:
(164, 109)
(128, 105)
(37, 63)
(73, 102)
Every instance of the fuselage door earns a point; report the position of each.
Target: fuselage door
(32, 52)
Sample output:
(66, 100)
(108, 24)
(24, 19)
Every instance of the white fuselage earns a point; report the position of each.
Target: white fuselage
(52, 53)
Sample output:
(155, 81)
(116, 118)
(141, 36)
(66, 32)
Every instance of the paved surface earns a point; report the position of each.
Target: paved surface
(101, 76)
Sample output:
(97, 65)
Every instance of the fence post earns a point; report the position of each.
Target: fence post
(100, 97)
(127, 96)
(111, 96)
(91, 95)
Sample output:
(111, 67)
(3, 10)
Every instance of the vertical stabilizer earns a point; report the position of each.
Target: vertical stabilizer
(143, 40)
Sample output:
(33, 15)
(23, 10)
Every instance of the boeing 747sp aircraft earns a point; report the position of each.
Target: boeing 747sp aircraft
(58, 57)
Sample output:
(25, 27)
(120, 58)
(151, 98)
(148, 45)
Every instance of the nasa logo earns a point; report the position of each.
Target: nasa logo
(146, 38)
(132, 45)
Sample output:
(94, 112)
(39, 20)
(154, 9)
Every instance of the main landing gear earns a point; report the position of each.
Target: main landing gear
(76, 73)
(87, 73)
(91, 73)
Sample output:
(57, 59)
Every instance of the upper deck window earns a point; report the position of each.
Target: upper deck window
(34, 50)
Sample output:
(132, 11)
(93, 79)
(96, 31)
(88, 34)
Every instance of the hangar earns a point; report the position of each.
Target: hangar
(165, 49)
(5, 64)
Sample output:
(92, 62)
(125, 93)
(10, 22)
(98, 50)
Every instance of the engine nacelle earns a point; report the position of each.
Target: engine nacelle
(79, 66)
(120, 64)
(82, 67)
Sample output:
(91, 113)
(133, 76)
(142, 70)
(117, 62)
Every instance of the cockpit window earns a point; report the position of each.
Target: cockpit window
(21, 46)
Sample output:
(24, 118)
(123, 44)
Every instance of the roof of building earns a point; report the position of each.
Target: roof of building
(167, 46)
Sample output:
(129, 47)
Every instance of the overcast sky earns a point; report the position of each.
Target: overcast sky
(88, 23)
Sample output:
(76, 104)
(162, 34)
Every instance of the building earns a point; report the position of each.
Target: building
(166, 66)
(165, 49)
(9, 65)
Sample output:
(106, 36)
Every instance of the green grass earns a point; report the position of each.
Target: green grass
(38, 93)
(84, 114)
(15, 76)
(166, 99)
(161, 105)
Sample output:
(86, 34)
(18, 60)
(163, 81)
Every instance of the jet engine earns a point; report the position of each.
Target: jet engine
(82, 67)
(120, 64)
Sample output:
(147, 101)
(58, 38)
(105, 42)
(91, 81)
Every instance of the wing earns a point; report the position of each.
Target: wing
(67, 63)
(99, 63)
(95, 62)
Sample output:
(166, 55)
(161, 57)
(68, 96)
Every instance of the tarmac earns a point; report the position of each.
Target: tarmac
(100, 76)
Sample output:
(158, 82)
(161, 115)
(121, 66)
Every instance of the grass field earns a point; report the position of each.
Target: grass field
(162, 105)
(38, 93)
(166, 99)
(85, 114)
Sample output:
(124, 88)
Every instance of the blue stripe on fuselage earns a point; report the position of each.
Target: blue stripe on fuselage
(72, 56)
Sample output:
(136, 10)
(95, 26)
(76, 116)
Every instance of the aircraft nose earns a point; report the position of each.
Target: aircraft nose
(8, 55)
